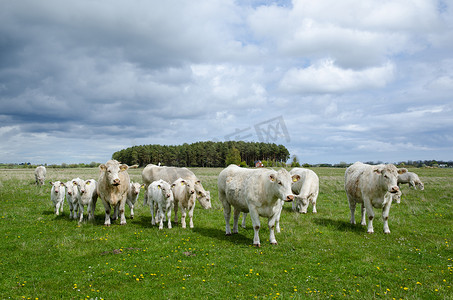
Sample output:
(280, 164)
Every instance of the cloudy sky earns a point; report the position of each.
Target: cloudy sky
(331, 80)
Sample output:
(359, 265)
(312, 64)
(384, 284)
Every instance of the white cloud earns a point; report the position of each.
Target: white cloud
(326, 77)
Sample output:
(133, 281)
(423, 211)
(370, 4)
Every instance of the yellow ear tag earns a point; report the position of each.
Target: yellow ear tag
(159, 187)
(182, 183)
(62, 184)
(74, 183)
(294, 179)
(88, 182)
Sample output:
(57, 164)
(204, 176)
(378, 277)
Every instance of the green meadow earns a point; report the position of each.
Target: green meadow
(43, 256)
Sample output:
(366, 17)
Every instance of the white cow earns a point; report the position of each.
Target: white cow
(184, 193)
(72, 197)
(412, 179)
(258, 192)
(306, 189)
(113, 187)
(372, 186)
(40, 175)
(132, 196)
(88, 197)
(57, 194)
(160, 200)
(171, 174)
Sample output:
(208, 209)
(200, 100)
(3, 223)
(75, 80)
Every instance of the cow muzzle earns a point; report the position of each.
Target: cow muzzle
(116, 182)
(289, 198)
(394, 189)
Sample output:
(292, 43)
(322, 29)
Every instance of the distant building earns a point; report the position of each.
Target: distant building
(259, 164)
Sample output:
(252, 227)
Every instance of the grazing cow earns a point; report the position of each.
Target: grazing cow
(372, 186)
(40, 175)
(88, 196)
(160, 202)
(132, 196)
(113, 187)
(258, 192)
(171, 174)
(72, 197)
(305, 190)
(412, 179)
(57, 194)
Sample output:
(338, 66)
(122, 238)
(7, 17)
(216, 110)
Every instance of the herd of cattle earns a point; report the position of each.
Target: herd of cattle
(257, 192)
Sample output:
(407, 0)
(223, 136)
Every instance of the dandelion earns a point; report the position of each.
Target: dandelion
(419, 283)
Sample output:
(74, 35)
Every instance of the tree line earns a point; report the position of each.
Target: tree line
(202, 154)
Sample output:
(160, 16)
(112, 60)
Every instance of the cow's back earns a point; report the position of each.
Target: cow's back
(153, 173)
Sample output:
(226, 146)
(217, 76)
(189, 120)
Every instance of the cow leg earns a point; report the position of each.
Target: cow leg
(313, 201)
(227, 215)
(352, 205)
(183, 217)
(76, 211)
(151, 209)
(131, 206)
(277, 219)
(370, 213)
(236, 214)
(122, 210)
(107, 213)
(385, 216)
(244, 216)
(363, 214)
(271, 222)
(191, 216)
(160, 213)
(169, 216)
(256, 226)
(80, 213)
(89, 211)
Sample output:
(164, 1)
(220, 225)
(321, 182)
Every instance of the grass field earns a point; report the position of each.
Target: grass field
(319, 256)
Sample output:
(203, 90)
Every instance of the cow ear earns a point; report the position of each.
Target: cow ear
(50, 182)
(198, 182)
(377, 171)
(159, 187)
(295, 178)
(102, 167)
(62, 184)
(183, 182)
(124, 167)
(272, 177)
(173, 185)
(88, 182)
(142, 186)
(402, 171)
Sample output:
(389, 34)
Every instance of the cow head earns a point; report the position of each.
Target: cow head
(388, 177)
(112, 169)
(203, 196)
(56, 185)
(300, 204)
(281, 184)
(135, 188)
(165, 188)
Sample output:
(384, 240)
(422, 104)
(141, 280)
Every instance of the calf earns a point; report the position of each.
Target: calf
(88, 196)
(184, 193)
(160, 200)
(72, 197)
(305, 190)
(371, 186)
(412, 179)
(57, 194)
(258, 192)
(132, 196)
